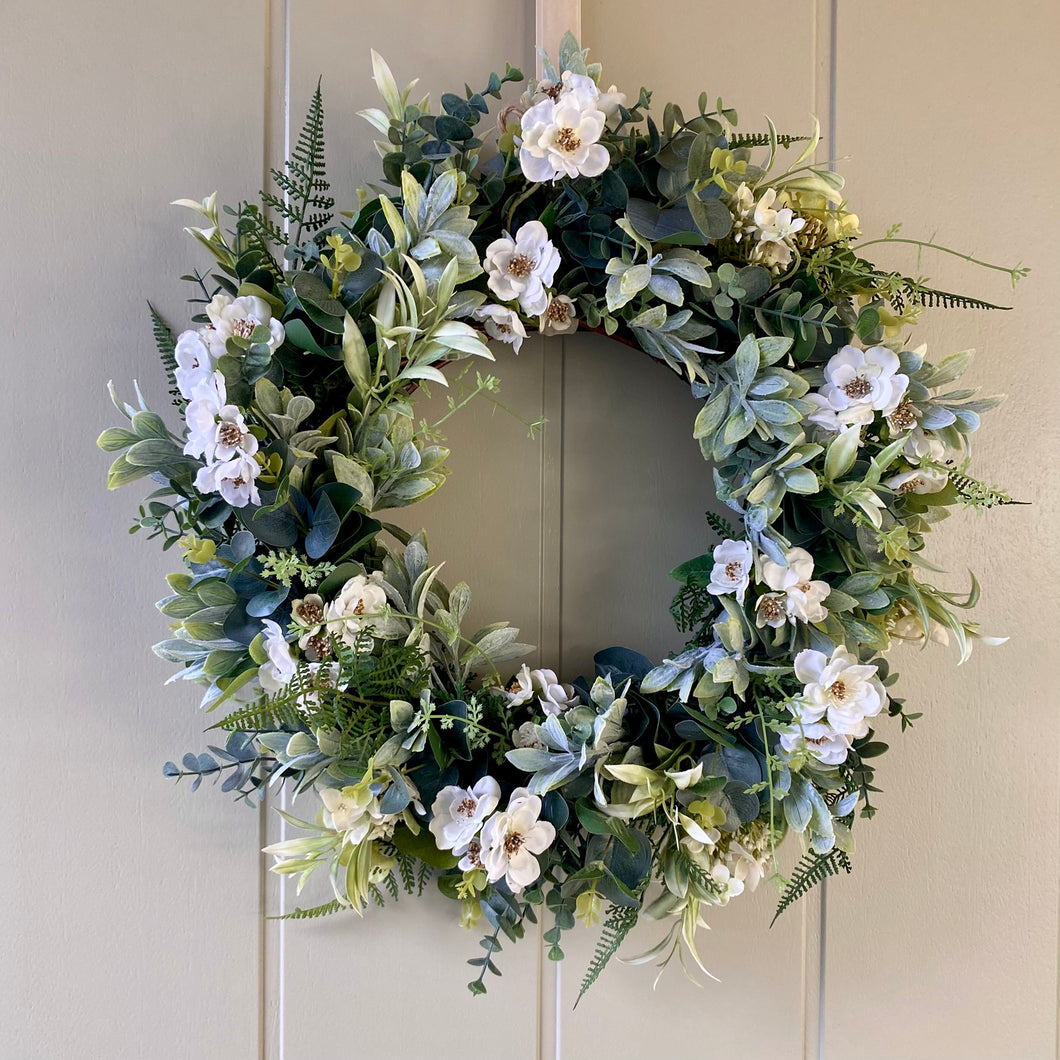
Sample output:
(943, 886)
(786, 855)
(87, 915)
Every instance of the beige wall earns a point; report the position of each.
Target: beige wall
(134, 907)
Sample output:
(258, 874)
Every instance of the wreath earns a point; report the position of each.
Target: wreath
(336, 660)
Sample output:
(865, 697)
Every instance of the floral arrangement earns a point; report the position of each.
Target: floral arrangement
(336, 660)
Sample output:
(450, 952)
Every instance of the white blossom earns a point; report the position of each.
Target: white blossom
(560, 316)
(360, 604)
(839, 689)
(910, 630)
(521, 268)
(502, 323)
(207, 399)
(520, 689)
(459, 813)
(917, 480)
(803, 597)
(553, 695)
(239, 317)
(526, 736)
(353, 810)
(194, 363)
(817, 739)
(234, 479)
(560, 139)
(860, 383)
(732, 569)
(276, 672)
(920, 445)
(510, 841)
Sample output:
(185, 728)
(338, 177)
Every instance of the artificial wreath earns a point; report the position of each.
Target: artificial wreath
(334, 657)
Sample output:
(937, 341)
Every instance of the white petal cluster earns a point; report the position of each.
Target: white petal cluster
(355, 811)
(502, 323)
(360, 606)
(459, 814)
(239, 317)
(560, 136)
(776, 230)
(218, 433)
(839, 698)
(510, 841)
(796, 595)
(858, 384)
(553, 695)
(276, 672)
(731, 573)
(521, 269)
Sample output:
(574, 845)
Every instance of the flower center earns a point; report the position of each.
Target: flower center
(320, 645)
(553, 90)
(558, 312)
(858, 387)
(310, 612)
(733, 571)
(904, 417)
(514, 687)
(467, 808)
(770, 607)
(228, 434)
(239, 481)
(521, 265)
(474, 849)
(838, 690)
(567, 140)
(513, 841)
(359, 609)
(244, 327)
(910, 485)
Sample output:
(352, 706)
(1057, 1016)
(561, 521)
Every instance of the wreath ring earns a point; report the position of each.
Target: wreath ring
(332, 653)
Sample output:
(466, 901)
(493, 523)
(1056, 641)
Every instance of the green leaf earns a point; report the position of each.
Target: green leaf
(712, 216)
(422, 846)
(355, 355)
(116, 438)
(841, 454)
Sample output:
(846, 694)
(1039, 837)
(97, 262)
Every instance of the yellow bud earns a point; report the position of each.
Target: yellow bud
(198, 549)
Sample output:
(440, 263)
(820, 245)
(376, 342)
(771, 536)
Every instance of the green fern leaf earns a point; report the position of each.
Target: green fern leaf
(316, 911)
(762, 140)
(809, 872)
(167, 346)
(303, 202)
(619, 923)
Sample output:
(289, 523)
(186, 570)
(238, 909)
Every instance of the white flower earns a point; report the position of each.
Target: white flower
(472, 858)
(520, 689)
(521, 268)
(841, 689)
(554, 696)
(276, 672)
(923, 446)
(742, 208)
(560, 316)
(194, 363)
(560, 139)
(502, 323)
(859, 383)
(772, 610)
(234, 479)
(231, 437)
(361, 604)
(239, 317)
(585, 91)
(910, 630)
(353, 810)
(817, 739)
(804, 598)
(917, 480)
(526, 736)
(728, 886)
(512, 838)
(732, 569)
(459, 813)
(207, 400)
(775, 226)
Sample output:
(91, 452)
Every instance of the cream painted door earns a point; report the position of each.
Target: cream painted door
(136, 910)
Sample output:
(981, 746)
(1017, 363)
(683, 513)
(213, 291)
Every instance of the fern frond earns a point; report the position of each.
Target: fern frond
(720, 525)
(263, 716)
(809, 872)
(303, 201)
(334, 906)
(917, 294)
(167, 346)
(978, 494)
(619, 923)
(762, 140)
(257, 231)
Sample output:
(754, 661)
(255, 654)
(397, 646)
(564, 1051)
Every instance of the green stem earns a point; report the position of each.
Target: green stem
(1015, 272)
